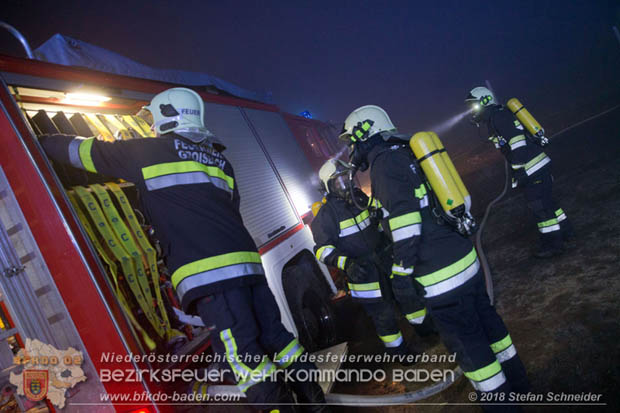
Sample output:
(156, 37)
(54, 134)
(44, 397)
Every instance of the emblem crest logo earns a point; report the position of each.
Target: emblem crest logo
(36, 384)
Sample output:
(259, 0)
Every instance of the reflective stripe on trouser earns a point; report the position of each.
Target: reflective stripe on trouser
(416, 317)
(79, 153)
(393, 340)
(245, 376)
(538, 195)
(169, 174)
(470, 327)
(289, 354)
(214, 269)
(504, 349)
(549, 225)
(409, 300)
(253, 318)
(487, 378)
(406, 226)
(450, 277)
(366, 290)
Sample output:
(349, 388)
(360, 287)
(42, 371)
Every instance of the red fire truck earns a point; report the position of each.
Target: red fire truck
(54, 285)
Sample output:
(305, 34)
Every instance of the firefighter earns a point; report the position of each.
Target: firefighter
(531, 168)
(348, 238)
(441, 261)
(188, 192)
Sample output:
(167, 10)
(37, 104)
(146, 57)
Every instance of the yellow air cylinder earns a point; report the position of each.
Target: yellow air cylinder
(455, 175)
(315, 207)
(429, 152)
(526, 119)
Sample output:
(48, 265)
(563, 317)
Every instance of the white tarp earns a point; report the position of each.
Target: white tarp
(67, 51)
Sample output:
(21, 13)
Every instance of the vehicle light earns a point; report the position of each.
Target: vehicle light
(91, 97)
(141, 410)
(85, 99)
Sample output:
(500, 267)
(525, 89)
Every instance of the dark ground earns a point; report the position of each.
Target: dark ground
(561, 313)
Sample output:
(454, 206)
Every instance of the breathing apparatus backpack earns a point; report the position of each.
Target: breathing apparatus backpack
(449, 199)
(536, 132)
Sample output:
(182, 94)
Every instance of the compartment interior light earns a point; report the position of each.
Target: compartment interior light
(89, 99)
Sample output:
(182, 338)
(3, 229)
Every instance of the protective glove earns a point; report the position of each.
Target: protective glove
(356, 268)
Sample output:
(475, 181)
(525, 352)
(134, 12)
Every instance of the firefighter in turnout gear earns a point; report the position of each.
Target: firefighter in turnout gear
(189, 194)
(348, 238)
(440, 260)
(531, 168)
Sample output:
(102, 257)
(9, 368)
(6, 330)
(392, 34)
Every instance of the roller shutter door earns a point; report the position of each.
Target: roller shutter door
(289, 159)
(265, 207)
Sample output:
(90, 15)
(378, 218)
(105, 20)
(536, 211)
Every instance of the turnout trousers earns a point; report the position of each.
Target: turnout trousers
(248, 334)
(470, 327)
(377, 294)
(553, 225)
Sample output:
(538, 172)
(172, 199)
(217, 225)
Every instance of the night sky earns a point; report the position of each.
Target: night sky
(416, 59)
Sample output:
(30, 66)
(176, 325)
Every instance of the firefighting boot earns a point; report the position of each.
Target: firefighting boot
(271, 397)
(425, 329)
(403, 354)
(308, 392)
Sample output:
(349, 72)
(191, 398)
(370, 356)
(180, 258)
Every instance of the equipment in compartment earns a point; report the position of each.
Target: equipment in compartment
(67, 174)
(119, 129)
(102, 130)
(139, 125)
(63, 124)
(80, 125)
(121, 242)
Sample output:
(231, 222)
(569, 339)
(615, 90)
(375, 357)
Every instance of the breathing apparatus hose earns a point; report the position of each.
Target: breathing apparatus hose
(353, 198)
(481, 255)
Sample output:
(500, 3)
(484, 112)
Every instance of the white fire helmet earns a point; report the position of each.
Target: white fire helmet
(179, 110)
(480, 97)
(365, 122)
(335, 169)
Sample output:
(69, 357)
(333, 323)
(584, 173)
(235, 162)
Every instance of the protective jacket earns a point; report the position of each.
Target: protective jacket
(341, 230)
(188, 193)
(526, 158)
(440, 259)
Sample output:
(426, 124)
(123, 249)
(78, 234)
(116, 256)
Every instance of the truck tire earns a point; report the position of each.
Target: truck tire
(309, 301)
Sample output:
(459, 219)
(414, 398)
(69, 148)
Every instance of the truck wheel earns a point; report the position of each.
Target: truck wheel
(311, 308)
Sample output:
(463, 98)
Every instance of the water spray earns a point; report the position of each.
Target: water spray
(448, 124)
(340, 152)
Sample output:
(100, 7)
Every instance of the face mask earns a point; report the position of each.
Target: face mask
(339, 185)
